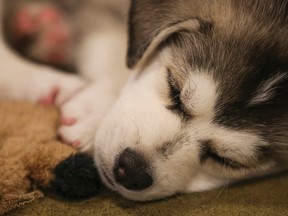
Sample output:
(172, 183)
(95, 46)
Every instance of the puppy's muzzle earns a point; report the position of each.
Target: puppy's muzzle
(131, 171)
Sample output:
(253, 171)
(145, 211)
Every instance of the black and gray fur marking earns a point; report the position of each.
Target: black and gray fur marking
(242, 45)
(209, 152)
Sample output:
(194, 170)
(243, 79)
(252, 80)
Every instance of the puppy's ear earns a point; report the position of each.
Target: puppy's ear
(151, 23)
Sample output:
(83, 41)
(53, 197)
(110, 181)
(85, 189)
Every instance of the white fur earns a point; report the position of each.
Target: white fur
(200, 94)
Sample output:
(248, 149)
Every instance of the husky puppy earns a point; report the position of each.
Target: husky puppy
(206, 105)
(209, 103)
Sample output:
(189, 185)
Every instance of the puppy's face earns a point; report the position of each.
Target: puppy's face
(201, 112)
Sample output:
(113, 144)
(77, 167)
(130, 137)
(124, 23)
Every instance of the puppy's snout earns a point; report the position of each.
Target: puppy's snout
(131, 171)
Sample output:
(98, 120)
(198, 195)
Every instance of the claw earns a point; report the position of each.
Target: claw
(76, 144)
(68, 121)
(51, 98)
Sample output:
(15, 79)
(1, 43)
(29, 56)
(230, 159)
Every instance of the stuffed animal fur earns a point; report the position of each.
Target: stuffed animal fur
(31, 158)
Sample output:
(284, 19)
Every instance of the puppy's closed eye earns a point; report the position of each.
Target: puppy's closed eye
(208, 152)
(176, 105)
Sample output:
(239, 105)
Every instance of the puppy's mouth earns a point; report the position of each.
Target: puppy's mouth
(108, 179)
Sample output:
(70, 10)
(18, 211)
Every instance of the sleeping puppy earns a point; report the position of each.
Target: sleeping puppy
(22, 80)
(208, 105)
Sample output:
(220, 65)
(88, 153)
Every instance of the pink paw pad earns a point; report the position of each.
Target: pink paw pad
(24, 24)
(48, 15)
(28, 21)
(48, 27)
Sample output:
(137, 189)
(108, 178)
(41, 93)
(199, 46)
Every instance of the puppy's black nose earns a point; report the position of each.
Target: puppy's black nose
(131, 171)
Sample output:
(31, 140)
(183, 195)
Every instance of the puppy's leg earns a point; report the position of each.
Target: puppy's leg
(82, 115)
(21, 80)
(103, 60)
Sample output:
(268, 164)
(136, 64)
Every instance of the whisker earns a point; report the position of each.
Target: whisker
(137, 129)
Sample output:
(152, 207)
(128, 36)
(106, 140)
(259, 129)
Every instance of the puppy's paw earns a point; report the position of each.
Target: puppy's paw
(45, 30)
(80, 107)
(79, 135)
(82, 115)
(53, 88)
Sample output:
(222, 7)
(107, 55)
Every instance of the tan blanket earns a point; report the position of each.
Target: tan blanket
(28, 152)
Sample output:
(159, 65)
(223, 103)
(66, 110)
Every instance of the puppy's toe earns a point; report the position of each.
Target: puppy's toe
(80, 135)
(80, 107)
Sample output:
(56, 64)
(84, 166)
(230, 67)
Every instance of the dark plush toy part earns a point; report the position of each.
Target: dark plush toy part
(76, 177)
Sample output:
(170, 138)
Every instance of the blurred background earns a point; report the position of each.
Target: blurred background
(50, 31)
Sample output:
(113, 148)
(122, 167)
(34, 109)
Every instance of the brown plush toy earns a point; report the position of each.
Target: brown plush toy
(31, 158)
